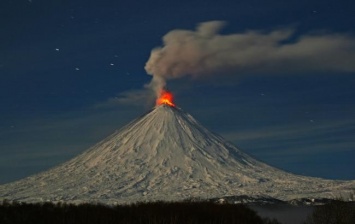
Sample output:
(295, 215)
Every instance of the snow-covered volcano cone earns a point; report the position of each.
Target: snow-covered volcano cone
(165, 155)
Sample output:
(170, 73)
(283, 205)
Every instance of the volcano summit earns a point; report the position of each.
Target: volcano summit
(165, 155)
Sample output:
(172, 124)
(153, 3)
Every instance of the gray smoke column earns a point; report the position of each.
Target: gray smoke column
(206, 52)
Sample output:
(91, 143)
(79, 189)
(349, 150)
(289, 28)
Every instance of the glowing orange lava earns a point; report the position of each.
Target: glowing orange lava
(166, 97)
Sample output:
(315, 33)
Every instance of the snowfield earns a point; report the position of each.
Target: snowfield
(166, 155)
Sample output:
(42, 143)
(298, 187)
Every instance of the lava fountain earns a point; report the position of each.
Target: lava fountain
(165, 97)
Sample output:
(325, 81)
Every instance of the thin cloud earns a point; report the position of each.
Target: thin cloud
(139, 97)
(297, 139)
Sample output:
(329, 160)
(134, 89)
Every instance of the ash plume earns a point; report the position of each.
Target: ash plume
(205, 52)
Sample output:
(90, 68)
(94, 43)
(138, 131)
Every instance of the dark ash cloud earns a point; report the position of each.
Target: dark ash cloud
(205, 52)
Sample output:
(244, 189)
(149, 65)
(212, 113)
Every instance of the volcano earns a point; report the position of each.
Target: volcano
(166, 155)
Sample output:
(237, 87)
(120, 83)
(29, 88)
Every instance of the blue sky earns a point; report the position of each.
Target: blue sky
(65, 65)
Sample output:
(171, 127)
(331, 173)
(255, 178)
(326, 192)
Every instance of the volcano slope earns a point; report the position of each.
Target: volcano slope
(166, 155)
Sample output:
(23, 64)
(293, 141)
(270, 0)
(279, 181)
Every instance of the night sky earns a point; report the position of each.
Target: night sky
(69, 71)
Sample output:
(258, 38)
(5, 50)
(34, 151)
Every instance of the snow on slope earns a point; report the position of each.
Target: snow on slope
(165, 155)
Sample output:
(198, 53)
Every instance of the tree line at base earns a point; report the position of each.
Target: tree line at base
(152, 213)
